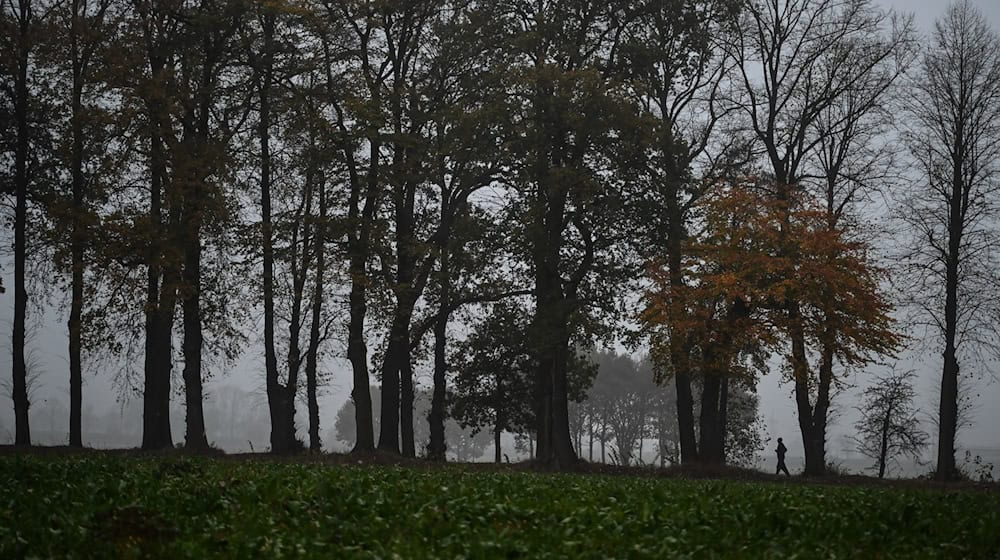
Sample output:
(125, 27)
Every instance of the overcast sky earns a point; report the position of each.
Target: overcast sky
(777, 406)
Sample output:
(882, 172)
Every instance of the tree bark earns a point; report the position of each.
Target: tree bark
(406, 398)
(437, 446)
(388, 439)
(948, 408)
(195, 437)
(723, 420)
(275, 393)
(162, 273)
(884, 446)
(357, 353)
(196, 194)
(550, 328)
(22, 431)
(299, 268)
(77, 241)
(314, 331)
(497, 430)
(812, 448)
(358, 249)
(709, 421)
(679, 348)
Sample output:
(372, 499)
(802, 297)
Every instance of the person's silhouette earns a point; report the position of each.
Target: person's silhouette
(781, 458)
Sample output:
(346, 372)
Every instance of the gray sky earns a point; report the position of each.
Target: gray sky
(777, 405)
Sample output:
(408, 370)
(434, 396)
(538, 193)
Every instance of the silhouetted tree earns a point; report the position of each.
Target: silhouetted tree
(950, 273)
(23, 27)
(493, 384)
(889, 426)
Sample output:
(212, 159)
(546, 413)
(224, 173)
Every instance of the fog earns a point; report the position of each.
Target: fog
(112, 416)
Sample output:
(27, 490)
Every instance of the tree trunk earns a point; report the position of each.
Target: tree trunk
(299, 268)
(76, 239)
(590, 452)
(723, 420)
(604, 436)
(497, 430)
(555, 445)
(438, 446)
(197, 139)
(884, 447)
(161, 286)
(388, 439)
(357, 353)
(195, 437)
(314, 330)
(359, 240)
(813, 450)
(406, 402)
(948, 408)
(709, 421)
(275, 392)
(22, 431)
(678, 347)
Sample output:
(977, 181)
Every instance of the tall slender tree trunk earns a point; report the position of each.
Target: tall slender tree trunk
(357, 353)
(884, 444)
(604, 435)
(275, 394)
(77, 241)
(359, 223)
(590, 452)
(314, 331)
(195, 197)
(396, 427)
(162, 279)
(406, 398)
(723, 419)
(948, 409)
(300, 260)
(497, 419)
(437, 446)
(496, 444)
(359, 246)
(678, 348)
(195, 437)
(22, 435)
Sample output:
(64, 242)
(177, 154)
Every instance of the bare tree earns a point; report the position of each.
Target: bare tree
(950, 270)
(889, 427)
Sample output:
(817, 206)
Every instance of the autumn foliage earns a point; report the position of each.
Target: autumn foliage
(768, 268)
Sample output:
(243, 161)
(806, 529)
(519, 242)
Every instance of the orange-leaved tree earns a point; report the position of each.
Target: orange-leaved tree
(769, 274)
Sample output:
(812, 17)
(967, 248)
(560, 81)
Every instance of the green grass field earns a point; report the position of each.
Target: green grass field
(99, 505)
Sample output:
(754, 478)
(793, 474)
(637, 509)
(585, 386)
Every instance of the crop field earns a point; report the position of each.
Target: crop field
(99, 505)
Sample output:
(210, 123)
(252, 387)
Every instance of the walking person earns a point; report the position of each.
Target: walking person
(781, 450)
